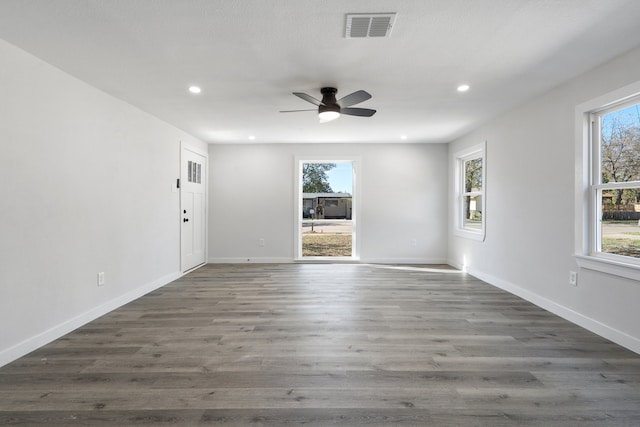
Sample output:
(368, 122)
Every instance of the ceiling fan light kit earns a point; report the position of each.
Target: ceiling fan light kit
(330, 109)
(328, 115)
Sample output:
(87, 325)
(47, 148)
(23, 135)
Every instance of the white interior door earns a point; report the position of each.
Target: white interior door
(193, 178)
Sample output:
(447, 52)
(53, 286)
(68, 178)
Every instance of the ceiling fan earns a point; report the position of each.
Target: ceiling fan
(330, 108)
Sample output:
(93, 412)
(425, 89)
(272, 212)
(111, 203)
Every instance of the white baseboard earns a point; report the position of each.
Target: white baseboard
(418, 261)
(250, 260)
(30, 344)
(599, 328)
(282, 260)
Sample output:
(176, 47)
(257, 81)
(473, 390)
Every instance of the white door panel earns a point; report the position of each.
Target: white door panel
(193, 209)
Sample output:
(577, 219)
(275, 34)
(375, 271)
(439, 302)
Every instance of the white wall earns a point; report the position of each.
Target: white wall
(252, 196)
(86, 187)
(530, 186)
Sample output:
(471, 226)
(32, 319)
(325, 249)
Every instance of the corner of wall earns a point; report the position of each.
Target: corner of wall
(32, 343)
(593, 325)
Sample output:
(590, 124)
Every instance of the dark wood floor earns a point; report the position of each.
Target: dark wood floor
(320, 345)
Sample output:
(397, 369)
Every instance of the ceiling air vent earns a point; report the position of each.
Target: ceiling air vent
(369, 25)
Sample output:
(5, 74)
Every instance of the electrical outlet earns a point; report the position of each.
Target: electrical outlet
(261, 242)
(414, 242)
(573, 278)
(101, 279)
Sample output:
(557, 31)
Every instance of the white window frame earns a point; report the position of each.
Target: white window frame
(475, 152)
(589, 188)
(356, 164)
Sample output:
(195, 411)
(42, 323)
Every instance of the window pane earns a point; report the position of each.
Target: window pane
(620, 145)
(620, 226)
(472, 208)
(470, 191)
(473, 175)
(327, 238)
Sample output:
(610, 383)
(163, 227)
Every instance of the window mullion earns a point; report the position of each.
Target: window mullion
(617, 185)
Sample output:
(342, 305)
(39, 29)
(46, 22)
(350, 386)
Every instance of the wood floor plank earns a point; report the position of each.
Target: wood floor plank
(322, 344)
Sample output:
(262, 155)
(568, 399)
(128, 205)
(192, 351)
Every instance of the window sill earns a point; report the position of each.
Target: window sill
(614, 267)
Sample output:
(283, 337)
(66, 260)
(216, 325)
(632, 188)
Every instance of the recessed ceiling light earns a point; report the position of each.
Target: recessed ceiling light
(403, 137)
(463, 88)
(251, 137)
(195, 89)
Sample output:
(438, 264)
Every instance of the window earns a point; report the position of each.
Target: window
(194, 173)
(470, 189)
(327, 228)
(615, 181)
(608, 183)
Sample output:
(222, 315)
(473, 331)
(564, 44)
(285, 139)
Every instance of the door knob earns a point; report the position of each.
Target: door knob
(185, 220)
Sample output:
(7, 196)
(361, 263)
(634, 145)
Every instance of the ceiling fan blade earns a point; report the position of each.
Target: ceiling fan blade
(308, 98)
(354, 98)
(362, 112)
(295, 111)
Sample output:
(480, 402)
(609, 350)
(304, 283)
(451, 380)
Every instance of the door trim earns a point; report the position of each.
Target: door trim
(187, 147)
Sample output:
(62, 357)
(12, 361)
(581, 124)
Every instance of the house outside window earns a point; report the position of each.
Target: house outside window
(470, 192)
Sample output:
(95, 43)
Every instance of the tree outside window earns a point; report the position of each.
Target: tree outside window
(473, 193)
(616, 186)
(470, 211)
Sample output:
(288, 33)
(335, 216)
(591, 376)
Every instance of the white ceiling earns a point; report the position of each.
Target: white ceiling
(249, 55)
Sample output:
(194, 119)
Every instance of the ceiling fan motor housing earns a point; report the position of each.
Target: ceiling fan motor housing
(329, 102)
